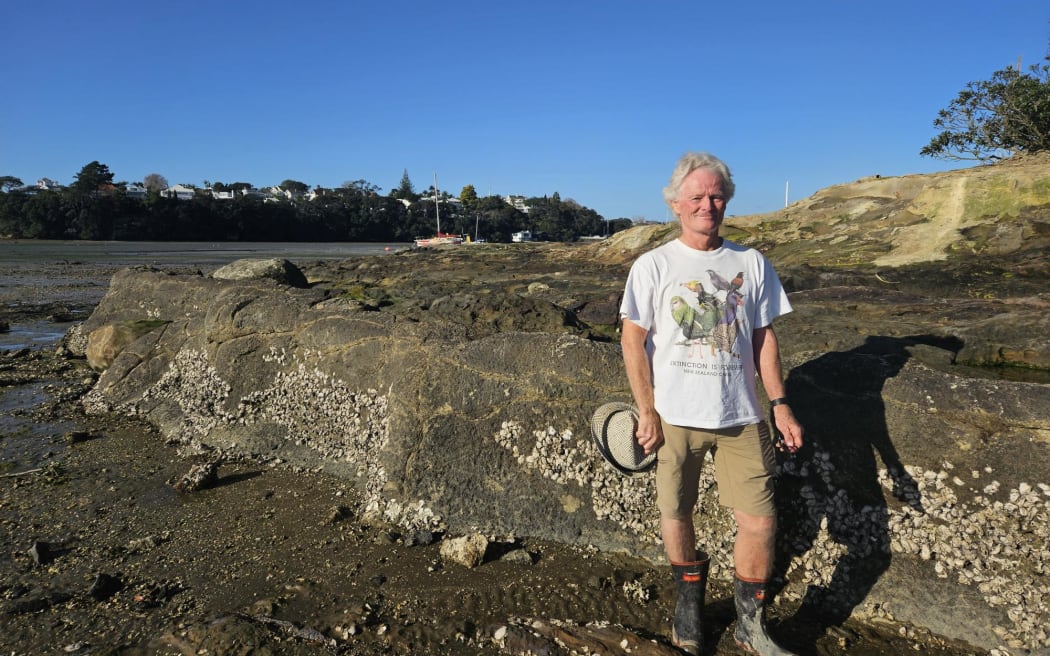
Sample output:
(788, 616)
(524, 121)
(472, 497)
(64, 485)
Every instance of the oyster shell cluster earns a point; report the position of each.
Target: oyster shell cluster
(965, 526)
(318, 411)
(557, 455)
(962, 526)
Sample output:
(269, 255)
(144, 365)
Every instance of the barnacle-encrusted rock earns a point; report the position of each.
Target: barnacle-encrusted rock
(919, 482)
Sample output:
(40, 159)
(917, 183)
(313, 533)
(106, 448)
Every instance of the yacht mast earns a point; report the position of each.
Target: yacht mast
(437, 205)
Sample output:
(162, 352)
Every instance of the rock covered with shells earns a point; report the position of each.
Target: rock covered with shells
(392, 407)
(917, 485)
(920, 492)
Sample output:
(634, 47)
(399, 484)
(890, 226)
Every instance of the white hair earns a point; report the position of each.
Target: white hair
(691, 162)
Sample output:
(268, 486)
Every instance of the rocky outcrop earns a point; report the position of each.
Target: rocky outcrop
(993, 212)
(455, 388)
(426, 415)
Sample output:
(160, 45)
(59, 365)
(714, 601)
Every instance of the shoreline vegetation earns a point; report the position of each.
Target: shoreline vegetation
(95, 207)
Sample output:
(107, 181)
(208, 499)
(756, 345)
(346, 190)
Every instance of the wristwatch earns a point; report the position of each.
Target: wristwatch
(778, 401)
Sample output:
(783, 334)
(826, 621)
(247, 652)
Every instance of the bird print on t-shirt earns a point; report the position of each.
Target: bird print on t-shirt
(723, 285)
(712, 319)
(723, 336)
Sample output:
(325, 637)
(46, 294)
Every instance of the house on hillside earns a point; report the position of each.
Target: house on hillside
(252, 192)
(43, 184)
(441, 198)
(277, 193)
(179, 192)
(135, 191)
(517, 202)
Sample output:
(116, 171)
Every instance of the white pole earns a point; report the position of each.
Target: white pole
(786, 183)
(437, 209)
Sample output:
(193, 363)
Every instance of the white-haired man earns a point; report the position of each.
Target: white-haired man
(692, 373)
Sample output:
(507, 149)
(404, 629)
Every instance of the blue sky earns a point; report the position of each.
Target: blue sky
(593, 100)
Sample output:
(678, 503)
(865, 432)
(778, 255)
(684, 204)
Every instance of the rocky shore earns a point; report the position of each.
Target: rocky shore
(274, 555)
(390, 454)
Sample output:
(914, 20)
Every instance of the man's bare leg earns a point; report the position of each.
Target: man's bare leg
(753, 550)
(679, 539)
(753, 555)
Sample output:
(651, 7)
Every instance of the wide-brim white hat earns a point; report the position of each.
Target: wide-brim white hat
(612, 427)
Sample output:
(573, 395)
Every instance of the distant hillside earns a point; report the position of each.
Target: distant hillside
(1000, 212)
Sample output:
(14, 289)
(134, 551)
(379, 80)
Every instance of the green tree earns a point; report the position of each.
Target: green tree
(43, 217)
(361, 187)
(405, 190)
(93, 219)
(562, 220)
(91, 178)
(996, 118)
(497, 219)
(9, 182)
(12, 215)
(88, 215)
(294, 186)
(469, 196)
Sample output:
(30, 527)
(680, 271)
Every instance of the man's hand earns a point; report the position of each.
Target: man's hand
(650, 433)
(788, 427)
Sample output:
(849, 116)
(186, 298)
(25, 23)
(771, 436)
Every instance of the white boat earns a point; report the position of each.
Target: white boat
(440, 238)
(521, 237)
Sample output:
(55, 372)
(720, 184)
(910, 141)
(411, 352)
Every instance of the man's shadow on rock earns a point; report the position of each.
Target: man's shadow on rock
(833, 484)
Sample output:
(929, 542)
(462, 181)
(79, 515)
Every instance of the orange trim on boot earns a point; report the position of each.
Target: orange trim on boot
(692, 577)
(747, 580)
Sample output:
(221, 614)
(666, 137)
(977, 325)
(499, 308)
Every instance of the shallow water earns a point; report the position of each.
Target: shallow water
(26, 443)
(74, 275)
(129, 253)
(33, 335)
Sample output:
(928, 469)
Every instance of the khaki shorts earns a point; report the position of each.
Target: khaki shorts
(744, 465)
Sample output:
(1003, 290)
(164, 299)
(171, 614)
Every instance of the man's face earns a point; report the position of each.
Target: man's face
(701, 203)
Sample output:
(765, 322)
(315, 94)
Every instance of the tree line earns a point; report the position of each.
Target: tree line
(94, 207)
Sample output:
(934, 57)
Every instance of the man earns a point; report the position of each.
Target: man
(697, 329)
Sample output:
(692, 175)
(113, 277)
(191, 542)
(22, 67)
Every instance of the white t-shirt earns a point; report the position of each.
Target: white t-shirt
(700, 308)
